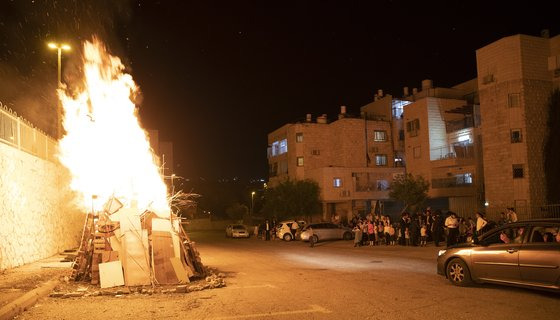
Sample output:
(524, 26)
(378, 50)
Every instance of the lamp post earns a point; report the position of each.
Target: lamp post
(59, 47)
(252, 201)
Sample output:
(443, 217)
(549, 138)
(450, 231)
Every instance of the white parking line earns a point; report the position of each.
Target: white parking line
(314, 309)
(252, 287)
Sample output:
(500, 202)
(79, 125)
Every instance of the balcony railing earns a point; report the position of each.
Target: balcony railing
(452, 152)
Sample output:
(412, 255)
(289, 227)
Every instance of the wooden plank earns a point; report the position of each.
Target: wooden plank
(163, 251)
(133, 254)
(179, 269)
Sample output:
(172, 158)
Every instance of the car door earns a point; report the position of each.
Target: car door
(497, 260)
(333, 231)
(539, 261)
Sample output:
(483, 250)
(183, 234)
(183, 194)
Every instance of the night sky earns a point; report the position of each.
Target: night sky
(216, 77)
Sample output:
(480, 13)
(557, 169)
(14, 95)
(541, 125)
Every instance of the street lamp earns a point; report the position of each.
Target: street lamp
(252, 202)
(59, 47)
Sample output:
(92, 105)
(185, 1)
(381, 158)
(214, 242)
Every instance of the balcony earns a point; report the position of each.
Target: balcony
(454, 155)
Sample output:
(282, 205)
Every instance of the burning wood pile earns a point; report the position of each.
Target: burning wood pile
(132, 235)
(119, 247)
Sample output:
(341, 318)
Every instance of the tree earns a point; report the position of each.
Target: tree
(237, 211)
(552, 149)
(413, 191)
(293, 198)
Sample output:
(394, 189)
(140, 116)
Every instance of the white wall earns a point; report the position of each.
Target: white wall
(37, 218)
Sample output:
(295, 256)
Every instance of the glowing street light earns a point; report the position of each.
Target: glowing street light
(59, 47)
(252, 201)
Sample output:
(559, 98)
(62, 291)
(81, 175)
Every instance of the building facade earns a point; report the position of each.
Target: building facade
(352, 160)
(516, 76)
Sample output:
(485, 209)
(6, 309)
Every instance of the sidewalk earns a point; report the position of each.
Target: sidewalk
(18, 282)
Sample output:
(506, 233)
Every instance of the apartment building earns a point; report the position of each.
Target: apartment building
(443, 144)
(516, 76)
(352, 159)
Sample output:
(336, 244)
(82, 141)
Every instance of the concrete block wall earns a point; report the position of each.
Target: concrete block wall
(37, 215)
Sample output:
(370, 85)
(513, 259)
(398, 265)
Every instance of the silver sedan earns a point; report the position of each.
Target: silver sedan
(525, 253)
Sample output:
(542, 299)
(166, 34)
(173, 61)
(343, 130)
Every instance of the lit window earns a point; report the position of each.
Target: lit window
(382, 185)
(300, 161)
(337, 182)
(518, 171)
(514, 100)
(299, 137)
(516, 136)
(283, 146)
(399, 162)
(465, 178)
(380, 159)
(416, 152)
(379, 135)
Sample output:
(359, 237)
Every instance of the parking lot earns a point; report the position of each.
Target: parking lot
(333, 280)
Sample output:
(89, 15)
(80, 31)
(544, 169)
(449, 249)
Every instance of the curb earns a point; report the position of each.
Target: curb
(22, 303)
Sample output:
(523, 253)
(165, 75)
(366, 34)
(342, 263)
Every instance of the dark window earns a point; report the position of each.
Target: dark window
(518, 171)
(516, 136)
(401, 135)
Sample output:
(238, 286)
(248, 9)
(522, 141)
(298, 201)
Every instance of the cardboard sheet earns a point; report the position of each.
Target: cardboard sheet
(111, 274)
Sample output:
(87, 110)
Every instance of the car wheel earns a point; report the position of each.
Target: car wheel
(314, 238)
(458, 273)
(287, 237)
(347, 236)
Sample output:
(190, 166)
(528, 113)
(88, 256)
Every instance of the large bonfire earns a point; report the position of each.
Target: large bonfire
(131, 236)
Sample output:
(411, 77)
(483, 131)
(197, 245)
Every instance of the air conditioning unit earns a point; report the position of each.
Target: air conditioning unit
(488, 79)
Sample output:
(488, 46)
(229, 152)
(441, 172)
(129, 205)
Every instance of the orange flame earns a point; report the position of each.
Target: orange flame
(105, 149)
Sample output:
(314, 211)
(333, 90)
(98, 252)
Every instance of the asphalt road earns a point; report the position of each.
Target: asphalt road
(333, 280)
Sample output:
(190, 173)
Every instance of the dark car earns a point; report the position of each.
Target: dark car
(525, 253)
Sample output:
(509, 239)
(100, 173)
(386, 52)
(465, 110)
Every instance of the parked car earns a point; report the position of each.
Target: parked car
(283, 229)
(525, 253)
(326, 231)
(237, 231)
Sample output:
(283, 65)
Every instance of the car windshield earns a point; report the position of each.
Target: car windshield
(239, 227)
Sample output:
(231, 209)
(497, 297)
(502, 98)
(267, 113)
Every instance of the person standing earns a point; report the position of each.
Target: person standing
(357, 235)
(436, 227)
(480, 224)
(452, 225)
(312, 237)
(512, 215)
(404, 226)
(293, 229)
(423, 235)
(267, 230)
(414, 229)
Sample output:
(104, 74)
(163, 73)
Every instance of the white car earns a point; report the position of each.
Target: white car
(326, 231)
(283, 229)
(237, 231)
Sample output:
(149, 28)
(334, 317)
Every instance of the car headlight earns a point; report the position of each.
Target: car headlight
(441, 252)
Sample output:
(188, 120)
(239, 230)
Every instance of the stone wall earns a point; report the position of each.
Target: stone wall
(37, 218)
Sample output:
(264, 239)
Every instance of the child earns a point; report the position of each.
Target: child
(423, 235)
(407, 236)
(392, 234)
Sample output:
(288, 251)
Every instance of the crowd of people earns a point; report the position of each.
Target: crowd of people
(418, 229)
